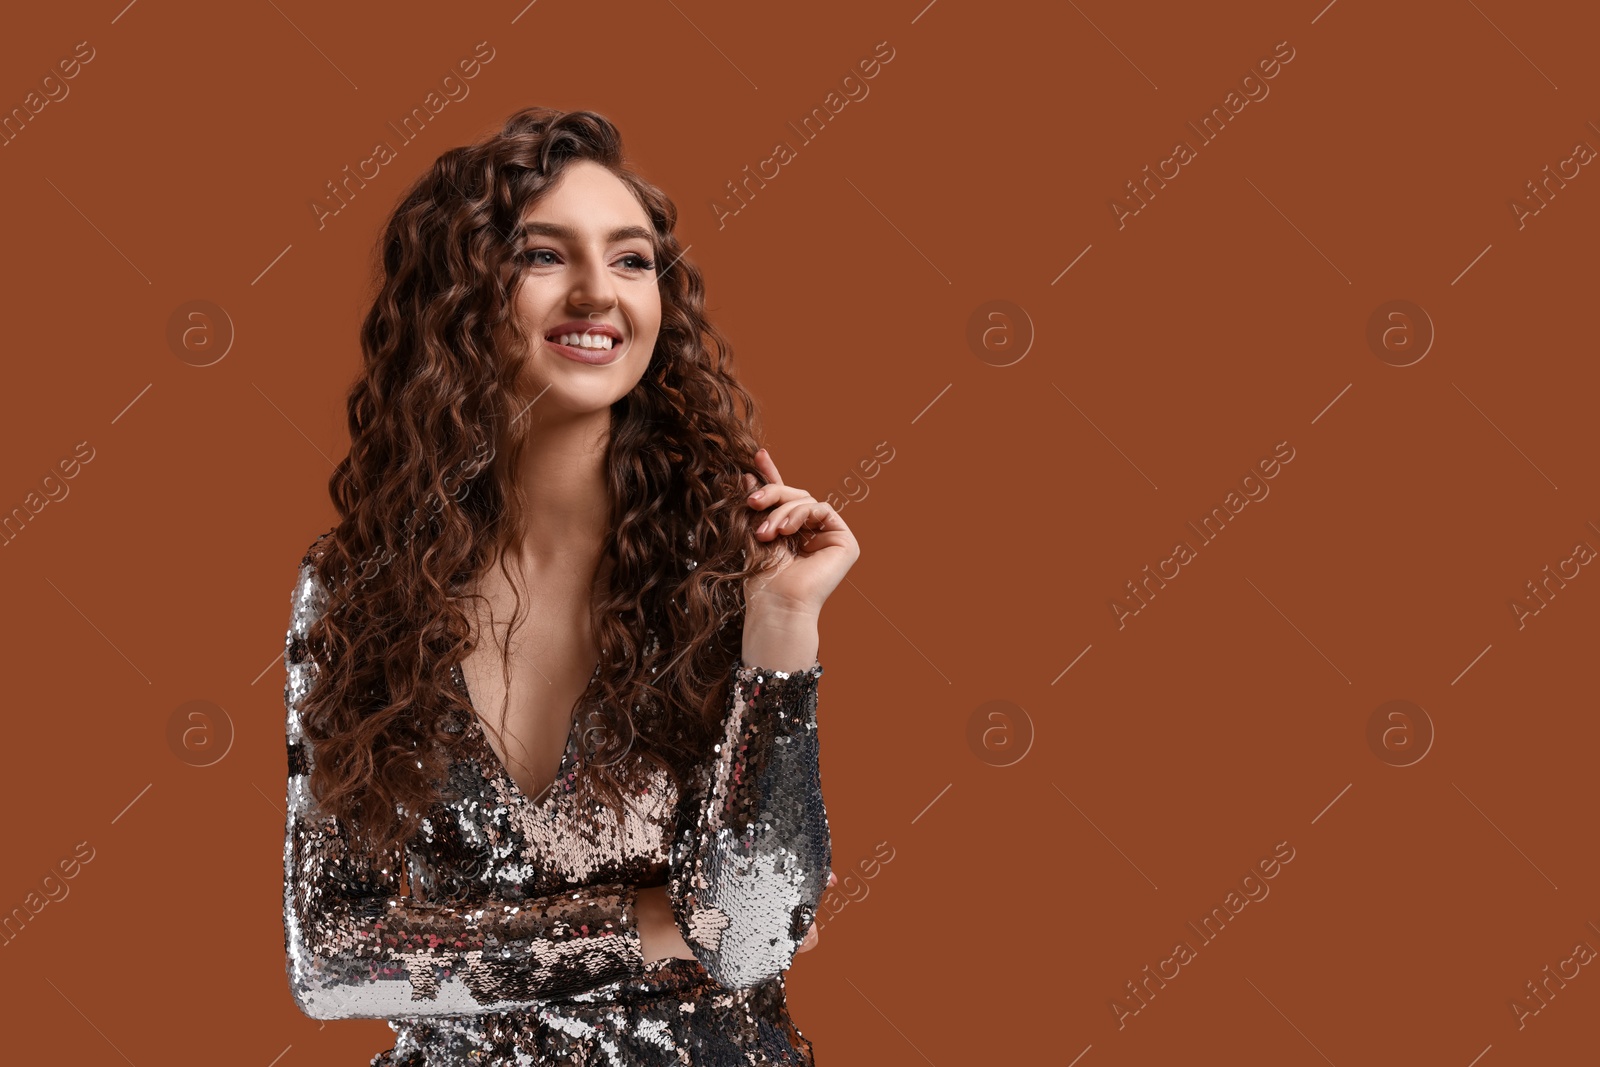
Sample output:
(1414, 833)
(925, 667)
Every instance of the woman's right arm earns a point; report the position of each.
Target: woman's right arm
(360, 947)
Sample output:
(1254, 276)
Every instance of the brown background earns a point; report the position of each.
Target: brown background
(1229, 315)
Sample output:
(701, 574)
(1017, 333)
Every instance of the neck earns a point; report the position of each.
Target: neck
(561, 474)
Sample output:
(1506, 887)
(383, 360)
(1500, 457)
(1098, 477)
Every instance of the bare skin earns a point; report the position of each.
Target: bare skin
(597, 276)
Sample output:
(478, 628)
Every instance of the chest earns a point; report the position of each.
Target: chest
(527, 708)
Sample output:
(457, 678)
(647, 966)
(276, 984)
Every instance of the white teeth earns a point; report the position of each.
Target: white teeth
(586, 340)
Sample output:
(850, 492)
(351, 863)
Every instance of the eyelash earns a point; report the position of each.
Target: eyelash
(645, 262)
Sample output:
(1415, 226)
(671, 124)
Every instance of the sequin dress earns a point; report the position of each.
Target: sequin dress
(504, 931)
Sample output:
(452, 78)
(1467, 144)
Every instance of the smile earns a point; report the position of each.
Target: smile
(582, 342)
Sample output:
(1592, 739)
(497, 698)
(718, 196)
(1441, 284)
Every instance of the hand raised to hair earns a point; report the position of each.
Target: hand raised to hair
(800, 580)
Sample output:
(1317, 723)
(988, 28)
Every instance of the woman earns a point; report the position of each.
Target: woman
(544, 413)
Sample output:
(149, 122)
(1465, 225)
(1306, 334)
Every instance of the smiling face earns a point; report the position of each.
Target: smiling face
(587, 296)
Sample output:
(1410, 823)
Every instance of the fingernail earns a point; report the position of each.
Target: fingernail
(832, 878)
(763, 527)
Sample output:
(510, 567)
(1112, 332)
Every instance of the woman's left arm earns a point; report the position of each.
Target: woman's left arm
(749, 870)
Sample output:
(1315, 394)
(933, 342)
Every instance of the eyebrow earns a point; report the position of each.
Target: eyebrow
(553, 229)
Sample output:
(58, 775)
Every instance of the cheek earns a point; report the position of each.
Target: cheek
(645, 320)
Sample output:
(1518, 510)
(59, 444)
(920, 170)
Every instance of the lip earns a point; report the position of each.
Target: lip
(593, 357)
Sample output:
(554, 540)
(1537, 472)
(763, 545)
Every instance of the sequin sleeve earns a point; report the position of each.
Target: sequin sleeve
(750, 862)
(358, 946)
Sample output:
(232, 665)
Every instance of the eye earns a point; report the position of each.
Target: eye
(533, 254)
(639, 262)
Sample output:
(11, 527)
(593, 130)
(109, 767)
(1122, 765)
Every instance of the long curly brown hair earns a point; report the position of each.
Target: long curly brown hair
(427, 500)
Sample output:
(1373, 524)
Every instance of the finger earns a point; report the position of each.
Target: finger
(771, 494)
(812, 517)
(768, 468)
(824, 529)
(810, 941)
(787, 517)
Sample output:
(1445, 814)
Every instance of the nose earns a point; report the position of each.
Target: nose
(592, 284)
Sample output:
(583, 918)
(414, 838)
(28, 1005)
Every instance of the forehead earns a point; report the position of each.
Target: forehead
(590, 201)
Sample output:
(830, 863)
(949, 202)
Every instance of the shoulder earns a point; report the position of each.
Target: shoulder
(310, 595)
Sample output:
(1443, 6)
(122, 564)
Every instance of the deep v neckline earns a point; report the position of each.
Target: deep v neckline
(564, 769)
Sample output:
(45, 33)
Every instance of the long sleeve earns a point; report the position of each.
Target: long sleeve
(359, 947)
(750, 862)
